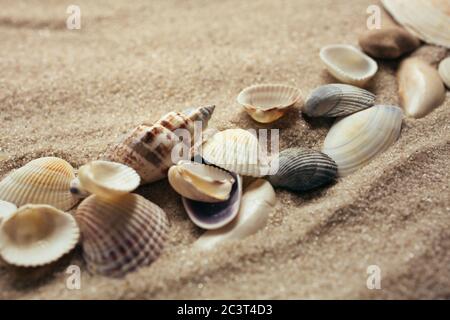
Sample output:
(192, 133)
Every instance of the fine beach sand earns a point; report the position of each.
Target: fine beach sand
(72, 93)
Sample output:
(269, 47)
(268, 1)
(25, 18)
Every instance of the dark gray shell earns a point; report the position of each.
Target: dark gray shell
(337, 100)
(301, 169)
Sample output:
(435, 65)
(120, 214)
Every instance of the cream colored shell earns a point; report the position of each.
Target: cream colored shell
(36, 235)
(6, 209)
(444, 71)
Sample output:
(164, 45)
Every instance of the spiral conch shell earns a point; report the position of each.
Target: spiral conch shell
(36, 235)
(41, 181)
(121, 234)
(148, 148)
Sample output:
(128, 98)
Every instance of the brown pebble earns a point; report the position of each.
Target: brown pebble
(388, 43)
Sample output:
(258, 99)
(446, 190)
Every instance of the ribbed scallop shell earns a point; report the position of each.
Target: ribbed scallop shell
(301, 169)
(215, 215)
(148, 148)
(337, 100)
(6, 209)
(237, 150)
(348, 64)
(36, 235)
(121, 234)
(200, 182)
(354, 141)
(444, 71)
(41, 181)
(427, 19)
(108, 179)
(268, 102)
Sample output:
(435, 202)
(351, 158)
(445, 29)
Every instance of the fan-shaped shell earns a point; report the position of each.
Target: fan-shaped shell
(428, 20)
(444, 71)
(6, 209)
(41, 181)
(36, 235)
(237, 150)
(336, 100)
(354, 141)
(257, 203)
(301, 169)
(215, 215)
(121, 234)
(268, 102)
(348, 64)
(200, 182)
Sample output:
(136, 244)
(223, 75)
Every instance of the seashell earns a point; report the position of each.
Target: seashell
(77, 190)
(121, 234)
(420, 87)
(348, 64)
(200, 182)
(215, 215)
(41, 181)
(428, 20)
(354, 141)
(37, 235)
(148, 149)
(336, 100)
(237, 150)
(108, 179)
(268, 102)
(389, 43)
(444, 71)
(257, 203)
(6, 209)
(301, 169)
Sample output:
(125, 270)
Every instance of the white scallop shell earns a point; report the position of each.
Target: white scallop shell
(257, 203)
(348, 64)
(200, 182)
(108, 179)
(268, 102)
(428, 20)
(444, 71)
(121, 234)
(36, 235)
(41, 181)
(6, 209)
(237, 150)
(354, 141)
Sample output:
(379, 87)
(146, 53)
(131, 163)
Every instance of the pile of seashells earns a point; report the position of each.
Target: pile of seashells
(120, 231)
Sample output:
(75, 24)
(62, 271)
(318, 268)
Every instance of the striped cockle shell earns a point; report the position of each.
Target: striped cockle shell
(266, 103)
(337, 100)
(444, 71)
(41, 181)
(121, 234)
(152, 149)
(354, 141)
(37, 235)
(6, 209)
(348, 64)
(257, 203)
(301, 169)
(237, 150)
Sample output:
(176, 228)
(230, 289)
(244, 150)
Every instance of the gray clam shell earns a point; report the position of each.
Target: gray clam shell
(337, 100)
(301, 169)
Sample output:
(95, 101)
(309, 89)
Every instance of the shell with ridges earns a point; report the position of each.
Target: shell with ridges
(444, 71)
(121, 234)
(337, 100)
(200, 182)
(268, 102)
(41, 181)
(6, 209)
(36, 235)
(348, 64)
(301, 169)
(354, 141)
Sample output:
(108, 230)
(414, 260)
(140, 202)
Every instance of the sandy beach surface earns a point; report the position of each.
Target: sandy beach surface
(71, 93)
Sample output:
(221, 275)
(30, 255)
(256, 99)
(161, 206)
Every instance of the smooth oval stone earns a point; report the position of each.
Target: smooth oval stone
(388, 43)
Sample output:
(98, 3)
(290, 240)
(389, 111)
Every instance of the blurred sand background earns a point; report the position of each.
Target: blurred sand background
(70, 93)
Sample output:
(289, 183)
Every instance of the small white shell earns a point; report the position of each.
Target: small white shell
(268, 102)
(256, 205)
(108, 179)
(6, 209)
(36, 235)
(237, 150)
(200, 182)
(348, 64)
(41, 181)
(444, 71)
